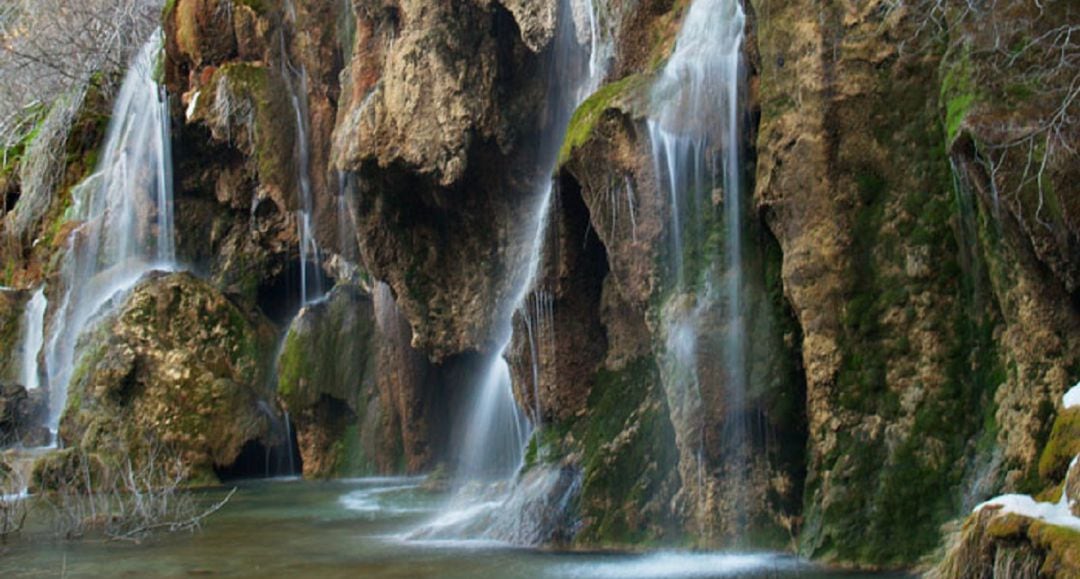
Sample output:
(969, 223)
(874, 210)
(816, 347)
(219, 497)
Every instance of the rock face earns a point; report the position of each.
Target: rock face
(611, 190)
(177, 365)
(912, 268)
(1016, 537)
(326, 379)
(12, 306)
(441, 104)
(921, 349)
(333, 370)
(22, 413)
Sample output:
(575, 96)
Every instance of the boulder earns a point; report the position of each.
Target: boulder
(176, 366)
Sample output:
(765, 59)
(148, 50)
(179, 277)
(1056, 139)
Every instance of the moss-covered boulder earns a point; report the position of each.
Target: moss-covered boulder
(68, 469)
(178, 366)
(326, 380)
(1062, 446)
(995, 542)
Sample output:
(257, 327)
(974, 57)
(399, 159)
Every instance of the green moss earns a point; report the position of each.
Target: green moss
(11, 155)
(273, 139)
(546, 445)
(291, 364)
(1062, 548)
(349, 456)
(590, 112)
(1063, 445)
(618, 483)
(957, 91)
(887, 502)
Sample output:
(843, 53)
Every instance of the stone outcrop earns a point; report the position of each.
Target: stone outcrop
(361, 399)
(920, 350)
(12, 306)
(326, 381)
(1016, 537)
(22, 415)
(177, 365)
(439, 112)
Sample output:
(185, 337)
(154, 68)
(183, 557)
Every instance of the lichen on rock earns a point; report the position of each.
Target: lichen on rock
(177, 364)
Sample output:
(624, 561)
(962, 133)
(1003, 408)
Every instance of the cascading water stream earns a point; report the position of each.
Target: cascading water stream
(124, 211)
(33, 339)
(494, 413)
(696, 138)
(296, 82)
(494, 430)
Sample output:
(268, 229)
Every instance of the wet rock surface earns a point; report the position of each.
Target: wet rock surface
(22, 413)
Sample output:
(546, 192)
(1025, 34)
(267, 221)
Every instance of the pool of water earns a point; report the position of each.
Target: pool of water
(354, 528)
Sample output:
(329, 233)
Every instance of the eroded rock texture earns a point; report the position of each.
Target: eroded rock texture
(440, 112)
(914, 363)
(180, 367)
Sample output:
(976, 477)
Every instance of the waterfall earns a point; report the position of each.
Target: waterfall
(33, 339)
(695, 132)
(296, 81)
(496, 428)
(493, 430)
(124, 212)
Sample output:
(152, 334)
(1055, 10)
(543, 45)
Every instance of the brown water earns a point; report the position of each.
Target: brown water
(352, 528)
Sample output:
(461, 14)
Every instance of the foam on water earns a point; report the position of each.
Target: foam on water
(375, 500)
(675, 564)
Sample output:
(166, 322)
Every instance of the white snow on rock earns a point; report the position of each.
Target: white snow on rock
(1072, 397)
(1058, 513)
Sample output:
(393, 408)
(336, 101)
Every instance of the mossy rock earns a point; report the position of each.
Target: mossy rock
(256, 89)
(12, 306)
(68, 469)
(326, 380)
(621, 93)
(1062, 447)
(1062, 547)
(177, 365)
(623, 445)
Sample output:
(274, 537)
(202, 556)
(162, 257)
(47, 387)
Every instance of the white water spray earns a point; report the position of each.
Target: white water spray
(696, 138)
(494, 417)
(296, 81)
(496, 429)
(33, 339)
(124, 211)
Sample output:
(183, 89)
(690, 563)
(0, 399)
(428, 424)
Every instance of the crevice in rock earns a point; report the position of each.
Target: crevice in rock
(279, 296)
(561, 329)
(261, 459)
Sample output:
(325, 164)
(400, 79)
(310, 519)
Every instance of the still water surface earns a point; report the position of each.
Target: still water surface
(356, 528)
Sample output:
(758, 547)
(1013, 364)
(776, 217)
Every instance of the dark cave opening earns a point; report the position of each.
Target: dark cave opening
(280, 296)
(257, 459)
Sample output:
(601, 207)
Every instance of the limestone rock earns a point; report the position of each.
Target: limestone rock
(438, 114)
(177, 365)
(22, 414)
(12, 308)
(536, 19)
(326, 380)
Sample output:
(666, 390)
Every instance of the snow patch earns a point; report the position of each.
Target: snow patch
(1059, 513)
(1072, 397)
